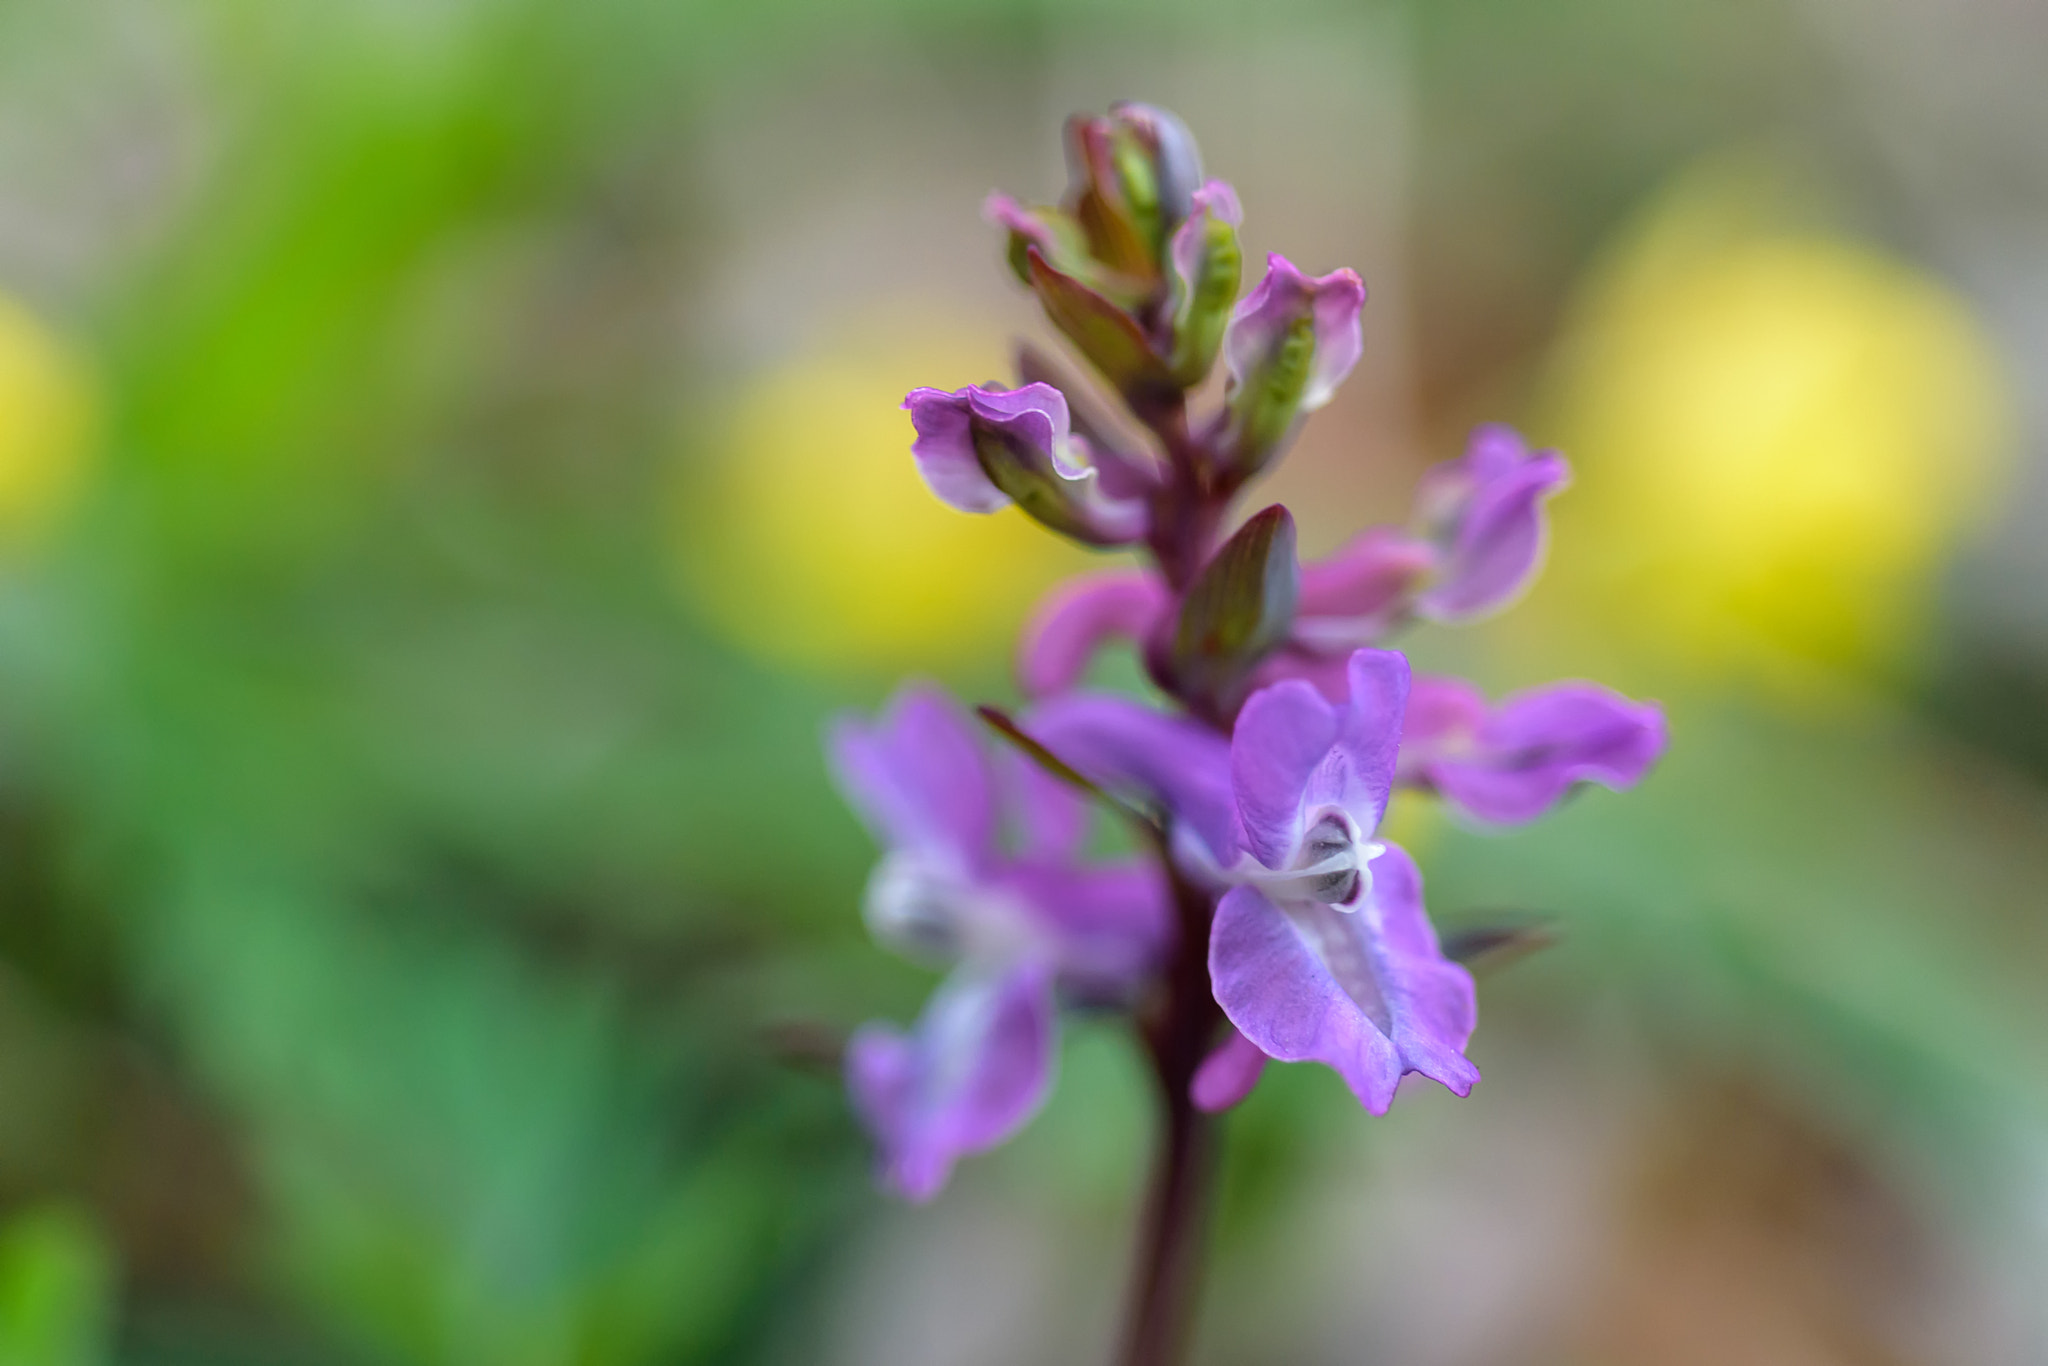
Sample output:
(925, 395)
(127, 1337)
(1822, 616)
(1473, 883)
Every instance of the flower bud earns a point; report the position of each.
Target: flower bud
(1132, 179)
(1174, 160)
(1108, 336)
(1289, 345)
(981, 449)
(1237, 611)
(1205, 265)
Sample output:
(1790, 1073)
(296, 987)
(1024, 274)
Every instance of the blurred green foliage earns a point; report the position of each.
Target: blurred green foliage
(55, 1290)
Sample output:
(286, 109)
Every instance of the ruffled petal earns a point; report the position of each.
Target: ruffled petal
(1486, 512)
(1078, 618)
(1367, 993)
(1511, 764)
(1228, 1074)
(980, 449)
(1332, 303)
(1127, 747)
(971, 1073)
(919, 777)
(944, 451)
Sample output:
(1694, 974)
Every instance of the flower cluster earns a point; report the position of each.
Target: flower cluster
(1260, 787)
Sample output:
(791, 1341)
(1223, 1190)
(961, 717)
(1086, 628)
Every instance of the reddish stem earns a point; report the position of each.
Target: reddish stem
(1166, 1273)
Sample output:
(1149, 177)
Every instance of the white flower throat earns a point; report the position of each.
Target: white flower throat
(933, 913)
(1331, 866)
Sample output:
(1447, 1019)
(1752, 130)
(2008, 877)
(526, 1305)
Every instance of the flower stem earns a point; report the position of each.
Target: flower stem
(1167, 1270)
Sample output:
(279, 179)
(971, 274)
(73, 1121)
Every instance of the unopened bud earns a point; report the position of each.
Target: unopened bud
(1289, 344)
(981, 449)
(1207, 265)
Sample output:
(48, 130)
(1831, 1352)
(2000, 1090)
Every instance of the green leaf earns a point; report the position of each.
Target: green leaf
(1110, 338)
(1489, 945)
(1002, 724)
(1238, 610)
(56, 1290)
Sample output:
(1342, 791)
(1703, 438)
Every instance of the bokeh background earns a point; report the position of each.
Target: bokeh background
(450, 470)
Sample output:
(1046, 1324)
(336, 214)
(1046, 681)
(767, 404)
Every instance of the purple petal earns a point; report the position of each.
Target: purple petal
(919, 777)
(1127, 747)
(944, 451)
(1511, 764)
(1108, 925)
(1334, 301)
(1295, 752)
(1360, 774)
(1486, 511)
(1035, 413)
(1363, 591)
(1368, 993)
(973, 1071)
(1076, 618)
(1442, 717)
(1283, 734)
(1228, 1074)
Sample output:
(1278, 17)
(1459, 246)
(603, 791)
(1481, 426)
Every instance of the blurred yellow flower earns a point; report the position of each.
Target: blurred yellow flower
(1780, 432)
(807, 536)
(46, 415)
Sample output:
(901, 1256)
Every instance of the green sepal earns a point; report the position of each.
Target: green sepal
(1105, 334)
(1488, 945)
(1238, 611)
(1264, 407)
(1070, 244)
(1046, 498)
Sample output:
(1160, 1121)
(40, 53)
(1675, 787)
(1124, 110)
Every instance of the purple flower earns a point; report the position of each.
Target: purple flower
(972, 1073)
(1511, 763)
(981, 875)
(1322, 950)
(1484, 513)
(980, 449)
